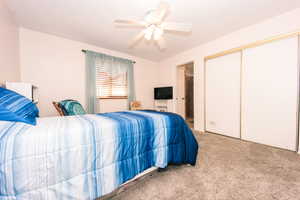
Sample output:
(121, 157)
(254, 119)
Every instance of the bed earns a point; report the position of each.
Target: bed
(88, 156)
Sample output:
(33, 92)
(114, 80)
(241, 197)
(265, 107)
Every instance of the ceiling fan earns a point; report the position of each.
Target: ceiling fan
(155, 26)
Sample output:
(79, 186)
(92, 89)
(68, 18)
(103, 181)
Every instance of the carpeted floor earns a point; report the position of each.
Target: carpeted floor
(227, 169)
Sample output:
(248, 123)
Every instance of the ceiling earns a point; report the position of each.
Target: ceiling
(91, 21)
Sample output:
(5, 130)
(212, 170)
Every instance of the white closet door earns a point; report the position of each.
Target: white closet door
(222, 95)
(269, 94)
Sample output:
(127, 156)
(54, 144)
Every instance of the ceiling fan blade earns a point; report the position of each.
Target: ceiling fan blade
(157, 15)
(161, 43)
(137, 39)
(124, 22)
(178, 27)
(163, 10)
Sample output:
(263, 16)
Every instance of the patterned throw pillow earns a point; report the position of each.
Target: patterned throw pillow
(17, 108)
(71, 107)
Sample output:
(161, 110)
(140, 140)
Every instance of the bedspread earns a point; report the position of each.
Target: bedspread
(88, 156)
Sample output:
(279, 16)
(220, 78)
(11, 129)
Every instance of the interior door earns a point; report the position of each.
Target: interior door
(222, 95)
(269, 100)
(180, 104)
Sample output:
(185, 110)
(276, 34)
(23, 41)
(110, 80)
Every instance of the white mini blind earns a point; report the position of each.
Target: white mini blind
(110, 85)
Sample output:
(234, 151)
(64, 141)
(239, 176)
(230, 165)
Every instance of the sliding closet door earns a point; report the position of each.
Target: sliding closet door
(222, 95)
(269, 93)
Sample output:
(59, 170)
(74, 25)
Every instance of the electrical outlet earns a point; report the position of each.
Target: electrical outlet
(212, 123)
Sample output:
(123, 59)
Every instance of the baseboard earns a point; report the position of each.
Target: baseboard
(198, 132)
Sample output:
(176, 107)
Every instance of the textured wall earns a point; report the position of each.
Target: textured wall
(57, 67)
(9, 46)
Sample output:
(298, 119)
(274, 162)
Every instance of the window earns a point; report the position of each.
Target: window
(109, 85)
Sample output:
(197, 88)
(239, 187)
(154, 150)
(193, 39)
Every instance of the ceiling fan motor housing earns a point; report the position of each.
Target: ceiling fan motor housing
(152, 17)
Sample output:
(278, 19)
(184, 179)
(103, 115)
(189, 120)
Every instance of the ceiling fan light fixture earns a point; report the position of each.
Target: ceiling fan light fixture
(149, 32)
(158, 32)
(148, 35)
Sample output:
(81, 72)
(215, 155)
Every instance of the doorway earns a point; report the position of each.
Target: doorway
(185, 92)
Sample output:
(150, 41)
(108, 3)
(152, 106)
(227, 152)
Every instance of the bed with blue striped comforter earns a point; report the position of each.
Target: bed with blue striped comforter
(88, 156)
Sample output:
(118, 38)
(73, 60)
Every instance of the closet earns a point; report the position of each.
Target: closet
(252, 94)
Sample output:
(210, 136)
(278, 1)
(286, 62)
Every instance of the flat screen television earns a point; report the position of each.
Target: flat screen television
(163, 93)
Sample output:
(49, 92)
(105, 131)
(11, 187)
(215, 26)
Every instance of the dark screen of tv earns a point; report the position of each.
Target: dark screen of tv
(163, 93)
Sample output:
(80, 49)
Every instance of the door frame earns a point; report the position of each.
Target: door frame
(176, 98)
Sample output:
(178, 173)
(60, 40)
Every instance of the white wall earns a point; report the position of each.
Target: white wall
(9, 46)
(112, 105)
(285, 23)
(57, 67)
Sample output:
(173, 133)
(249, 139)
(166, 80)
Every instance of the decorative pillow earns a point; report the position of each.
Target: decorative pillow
(71, 107)
(17, 108)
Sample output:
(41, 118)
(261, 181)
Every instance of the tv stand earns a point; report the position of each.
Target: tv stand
(163, 105)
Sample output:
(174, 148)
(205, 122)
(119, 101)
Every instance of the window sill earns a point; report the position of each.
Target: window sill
(112, 98)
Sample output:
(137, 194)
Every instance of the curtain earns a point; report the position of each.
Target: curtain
(91, 96)
(113, 66)
(131, 89)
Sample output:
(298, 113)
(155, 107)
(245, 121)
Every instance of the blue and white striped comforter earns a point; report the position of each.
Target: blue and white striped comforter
(88, 156)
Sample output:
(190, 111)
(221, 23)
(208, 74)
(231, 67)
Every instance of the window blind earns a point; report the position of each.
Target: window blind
(110, 85)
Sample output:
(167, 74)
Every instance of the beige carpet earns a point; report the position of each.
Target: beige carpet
(227, 169)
